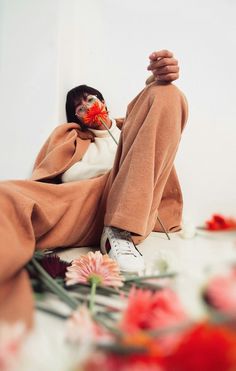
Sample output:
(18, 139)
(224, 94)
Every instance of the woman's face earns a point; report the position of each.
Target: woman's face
(82, 107)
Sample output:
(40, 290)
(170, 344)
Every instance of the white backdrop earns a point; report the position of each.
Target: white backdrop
(50, 46)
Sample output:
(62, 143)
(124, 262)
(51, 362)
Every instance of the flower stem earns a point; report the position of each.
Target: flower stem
(105, 125)
(104, 323)
(92, 296)
(51, 311)
(163, 227)
(51, 284)
(155, 276)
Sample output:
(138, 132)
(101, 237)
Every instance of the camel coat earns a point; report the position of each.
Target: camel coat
(42, 213)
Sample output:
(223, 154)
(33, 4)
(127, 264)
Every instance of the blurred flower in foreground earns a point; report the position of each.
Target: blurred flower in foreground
(219, 222)
(205, 347)
(11, 341)
(150, 311)
(81, 328)
(94, 266)
(154, 311)
(221, 292)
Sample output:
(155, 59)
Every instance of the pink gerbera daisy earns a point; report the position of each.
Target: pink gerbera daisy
(221, 292)
(81, 328)
(94, 267)
(154, 311)
(151, 311)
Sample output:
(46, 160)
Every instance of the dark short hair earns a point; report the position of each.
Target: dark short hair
(72, 99)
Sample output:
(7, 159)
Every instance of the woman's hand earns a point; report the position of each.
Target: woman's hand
(164, 67)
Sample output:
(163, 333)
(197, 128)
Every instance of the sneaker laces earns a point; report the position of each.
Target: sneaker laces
(121, 249)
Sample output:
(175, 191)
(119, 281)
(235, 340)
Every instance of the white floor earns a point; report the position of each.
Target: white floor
(193, 259)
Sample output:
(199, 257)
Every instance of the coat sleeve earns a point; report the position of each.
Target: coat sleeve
(61, 150)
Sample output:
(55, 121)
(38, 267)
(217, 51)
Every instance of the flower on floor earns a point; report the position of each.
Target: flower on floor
(54, 266)
(95, 114)
(94, 266)
(95, 269)
(205, 347)
(154, 311)
(219, 222)
(11, 342)
(150, 311)
(221, 292)
(81, 328)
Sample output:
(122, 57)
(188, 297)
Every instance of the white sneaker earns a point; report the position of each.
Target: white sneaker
(120, 247)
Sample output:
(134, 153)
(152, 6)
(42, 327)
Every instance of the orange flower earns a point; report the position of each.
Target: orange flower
(95, 114)
(94, 266)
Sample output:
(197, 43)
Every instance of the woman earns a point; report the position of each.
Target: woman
(48, 211)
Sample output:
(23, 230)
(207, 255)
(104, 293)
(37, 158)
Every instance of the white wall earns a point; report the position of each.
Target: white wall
(51, 46)
(28, 75)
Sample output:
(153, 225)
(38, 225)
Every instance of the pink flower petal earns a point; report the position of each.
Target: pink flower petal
(94, 264)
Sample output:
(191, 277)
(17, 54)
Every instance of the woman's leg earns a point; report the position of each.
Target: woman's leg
(145, 156)
(41, 215)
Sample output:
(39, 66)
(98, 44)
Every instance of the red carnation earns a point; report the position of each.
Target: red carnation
(219, 223)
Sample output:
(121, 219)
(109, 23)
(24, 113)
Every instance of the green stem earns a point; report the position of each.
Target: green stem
(51, 311)
(144, 285)
(105, 125)
(171, 329)
(54, 286)
(121, 349)
(163, 227)
(143, 278)
(104, 323)
(100, 289)
(92, 296)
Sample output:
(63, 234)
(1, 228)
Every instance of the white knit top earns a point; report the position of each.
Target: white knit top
(98, 159)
